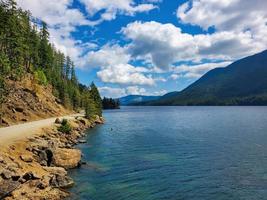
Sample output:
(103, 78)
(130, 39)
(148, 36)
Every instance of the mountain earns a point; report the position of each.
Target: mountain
(133, 99)
(244, 82)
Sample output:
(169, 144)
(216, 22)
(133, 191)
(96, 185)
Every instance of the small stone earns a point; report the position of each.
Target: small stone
(58, 121)
(19, 109)
(6, 174)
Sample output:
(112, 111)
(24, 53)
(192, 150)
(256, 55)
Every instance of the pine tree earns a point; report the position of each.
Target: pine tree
(96, 98)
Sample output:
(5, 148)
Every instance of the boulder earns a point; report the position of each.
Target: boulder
(59, 177)
(26, 158)
(67, 158)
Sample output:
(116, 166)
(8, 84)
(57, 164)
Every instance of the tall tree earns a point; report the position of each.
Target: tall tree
(96, 98)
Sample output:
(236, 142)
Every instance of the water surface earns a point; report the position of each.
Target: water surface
(172, 153)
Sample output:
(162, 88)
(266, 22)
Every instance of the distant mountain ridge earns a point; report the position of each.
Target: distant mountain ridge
(133, 99)
(243, 82)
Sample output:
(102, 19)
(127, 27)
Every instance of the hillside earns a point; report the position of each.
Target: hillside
(36, 79)
(133, 99)
(28, 101)
(244, 82)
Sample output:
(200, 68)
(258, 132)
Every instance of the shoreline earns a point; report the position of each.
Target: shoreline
(36, 167)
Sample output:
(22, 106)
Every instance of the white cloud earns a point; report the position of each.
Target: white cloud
(106, 56)
(63, 20)
(243, 20)
(115, 92)
(174, 76)
(135, 90)
(111, 92)
(195, 71)
(165, 44)
(112, 8)
(225, 15)
(125, 74)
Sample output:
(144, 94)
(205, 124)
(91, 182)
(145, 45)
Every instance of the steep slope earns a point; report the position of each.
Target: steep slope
(244, 82)
(28, 101)
(133, 99)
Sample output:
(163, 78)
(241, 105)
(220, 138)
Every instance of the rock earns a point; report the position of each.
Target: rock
(6, 174)
(59, 178)
(4, 122)
(26, 158)
(30, 176)
(56, 170)
(82, 121)
(2, 160)
(99, 120)
(82, 141)
(19, 109)
(67, 158)
(58, 121)
(7, 186)
(61, 181)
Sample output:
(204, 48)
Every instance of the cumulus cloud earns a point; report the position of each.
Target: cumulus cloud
(225, 15)
(112, 8)
(125, 74)
(195, 71)
(242, 22)
(63, 20)
(111, 92)
(107, 55)
(165, 44)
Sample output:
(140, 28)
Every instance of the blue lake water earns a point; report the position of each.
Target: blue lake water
(172, 153)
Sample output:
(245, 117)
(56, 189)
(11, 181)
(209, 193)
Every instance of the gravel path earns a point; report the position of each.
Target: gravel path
(17, 132)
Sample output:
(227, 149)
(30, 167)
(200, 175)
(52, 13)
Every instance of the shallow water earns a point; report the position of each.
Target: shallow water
(154, 153)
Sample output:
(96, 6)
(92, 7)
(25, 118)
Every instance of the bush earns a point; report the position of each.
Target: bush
(65, 126)
(40, 77)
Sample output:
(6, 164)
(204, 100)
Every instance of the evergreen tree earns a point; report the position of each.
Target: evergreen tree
(96, 98)
(25, 50)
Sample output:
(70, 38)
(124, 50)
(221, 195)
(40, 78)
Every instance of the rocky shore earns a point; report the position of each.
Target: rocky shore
(36, 168)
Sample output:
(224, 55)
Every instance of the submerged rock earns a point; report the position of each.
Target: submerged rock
(82, 141)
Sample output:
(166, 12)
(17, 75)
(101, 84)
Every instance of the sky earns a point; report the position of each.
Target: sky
(151, 47)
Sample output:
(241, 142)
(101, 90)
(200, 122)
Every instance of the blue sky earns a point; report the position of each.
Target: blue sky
(151, 47)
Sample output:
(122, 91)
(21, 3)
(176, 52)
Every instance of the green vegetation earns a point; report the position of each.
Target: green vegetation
(109, 103)
(65, 127)
(25, 49)
(244, 82)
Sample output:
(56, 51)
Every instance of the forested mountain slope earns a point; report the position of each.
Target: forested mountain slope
(244, 82)
(34, 74)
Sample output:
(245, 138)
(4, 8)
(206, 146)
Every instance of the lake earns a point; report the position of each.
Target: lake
(172, 153)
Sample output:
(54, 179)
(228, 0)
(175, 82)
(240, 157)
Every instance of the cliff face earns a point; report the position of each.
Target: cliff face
(28, 101)
(36, 168)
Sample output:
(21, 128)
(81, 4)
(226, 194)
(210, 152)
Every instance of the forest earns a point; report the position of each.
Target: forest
(25, 49)
(109, 103)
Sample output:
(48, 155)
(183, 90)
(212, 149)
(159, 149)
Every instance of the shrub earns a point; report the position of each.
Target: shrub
(39, 75)
(65, 126)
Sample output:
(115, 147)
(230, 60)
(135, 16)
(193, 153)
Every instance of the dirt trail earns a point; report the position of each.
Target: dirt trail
(17, 132)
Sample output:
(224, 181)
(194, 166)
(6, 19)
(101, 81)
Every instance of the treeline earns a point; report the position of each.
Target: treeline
(109, 103)
(25, 48)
